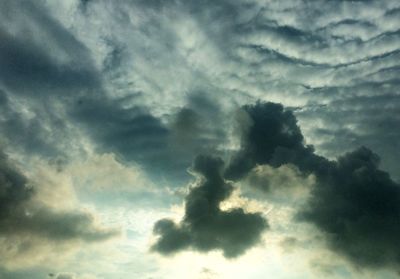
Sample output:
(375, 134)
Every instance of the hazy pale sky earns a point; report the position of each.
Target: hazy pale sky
(199, 139)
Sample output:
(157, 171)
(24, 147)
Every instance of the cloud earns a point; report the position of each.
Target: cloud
(131, 132)
(271, 136)
(285, 182)
(154, 82)
(40, 60)
(32, 225)
(32, 69)
(65, 276)
(205, 226)
(201, 126)
(267, 51)
(357, 206)
(163, 146)
(364, 120)
(352, 201)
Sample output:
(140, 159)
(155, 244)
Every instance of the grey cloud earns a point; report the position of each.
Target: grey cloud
(32, 133)
(31, 71)
(279, 184)
(325, 58)
(205, 226)
(364, 120)
(63, 73)
(197, 128)
(162, 148)
(21, 215)
(357, 205)
(22, 274)
(354, 202)
(132, 132)
(65, 276)
(77, 101)
(14, 187)
(334, 62)
(27, 65)
(54, 225)
(273, 137)
(42, 67)
(321, 56)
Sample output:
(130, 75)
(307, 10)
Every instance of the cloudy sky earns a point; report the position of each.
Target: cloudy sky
(199, 139)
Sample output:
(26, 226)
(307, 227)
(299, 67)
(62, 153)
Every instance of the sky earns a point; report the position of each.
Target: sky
(199, 139)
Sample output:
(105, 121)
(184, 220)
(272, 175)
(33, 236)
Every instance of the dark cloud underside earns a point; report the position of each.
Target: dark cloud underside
(272, 137)
(355, 203)
(205, 226)
(21, 215)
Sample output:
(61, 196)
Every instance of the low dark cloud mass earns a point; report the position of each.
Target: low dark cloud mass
(358, 206)
(270, 135)
(355, 203)
(205, 226)
(21, 215)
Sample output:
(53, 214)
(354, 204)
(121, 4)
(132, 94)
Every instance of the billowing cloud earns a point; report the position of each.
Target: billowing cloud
(354, 202)
(357, 205)
(205, 226)
(271, 136)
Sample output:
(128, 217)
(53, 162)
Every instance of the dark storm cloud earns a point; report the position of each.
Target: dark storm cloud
(205, 226)
(358, 206)
(271, 136)
(21, 215)
(355, 203)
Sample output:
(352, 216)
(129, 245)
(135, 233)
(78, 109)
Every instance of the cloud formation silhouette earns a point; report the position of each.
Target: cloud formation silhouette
(205, 226)
(353, 202)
